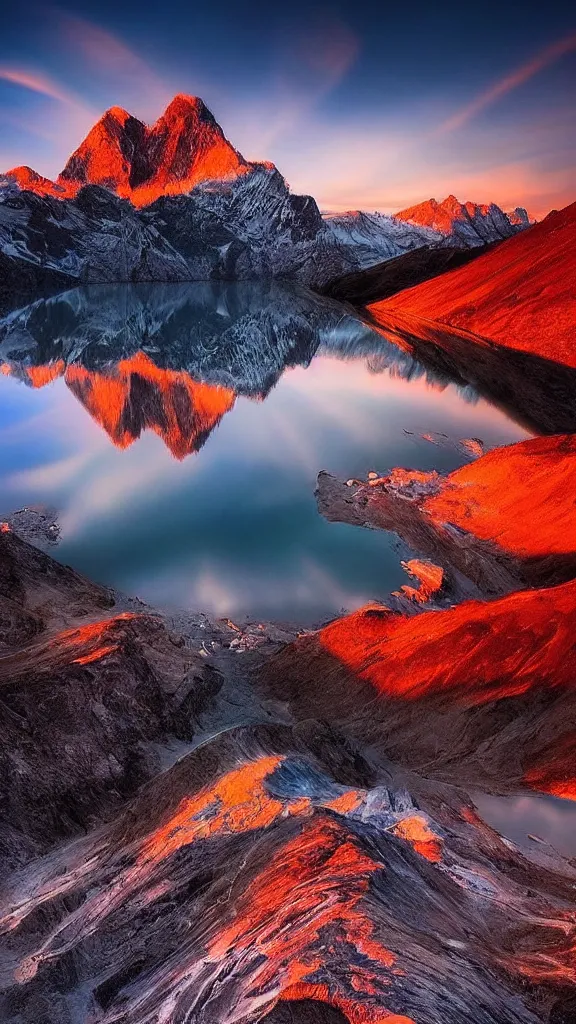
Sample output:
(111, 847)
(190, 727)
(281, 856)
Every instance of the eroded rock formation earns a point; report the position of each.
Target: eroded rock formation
(277, 864)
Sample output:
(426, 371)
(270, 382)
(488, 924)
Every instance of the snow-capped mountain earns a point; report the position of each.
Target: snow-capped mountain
(375, 234)
(184, 147)
(95, 237)
(466, 224)
(176, 202)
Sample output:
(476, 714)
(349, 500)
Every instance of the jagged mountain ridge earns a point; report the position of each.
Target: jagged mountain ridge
(377, 234)
(275, 862)
(244, 229)
(176, 201)
(466, 224)
(185, 146)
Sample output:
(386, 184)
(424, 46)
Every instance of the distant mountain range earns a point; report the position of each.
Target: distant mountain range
(466, 223)
(177, 202)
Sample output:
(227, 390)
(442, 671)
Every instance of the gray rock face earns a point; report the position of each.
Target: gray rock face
(237, 228)
(248, 227)
(95, 237)
(85, 693)
(376, 237)
(490, 224)
(519, 217)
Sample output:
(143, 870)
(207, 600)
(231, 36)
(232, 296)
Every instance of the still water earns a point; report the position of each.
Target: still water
(179, 432)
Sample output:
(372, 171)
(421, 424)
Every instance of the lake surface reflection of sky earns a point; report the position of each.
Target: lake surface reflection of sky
(530, 818)
(233, 528)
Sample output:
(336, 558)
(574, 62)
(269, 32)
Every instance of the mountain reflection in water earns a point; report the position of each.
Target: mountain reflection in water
(173, 358)
(295, 384)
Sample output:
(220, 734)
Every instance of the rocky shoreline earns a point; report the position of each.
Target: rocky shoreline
(220, 822)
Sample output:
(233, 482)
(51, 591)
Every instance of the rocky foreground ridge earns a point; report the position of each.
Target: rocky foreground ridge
(315, 854)
(177, 202)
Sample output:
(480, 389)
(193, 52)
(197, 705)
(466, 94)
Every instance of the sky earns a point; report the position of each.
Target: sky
(365, 105)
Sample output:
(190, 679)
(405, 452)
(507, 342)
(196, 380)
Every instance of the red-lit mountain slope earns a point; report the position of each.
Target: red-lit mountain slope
(504, 521)
(485, 686)
(521, 294)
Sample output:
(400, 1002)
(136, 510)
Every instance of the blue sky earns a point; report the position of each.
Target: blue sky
(369, 105)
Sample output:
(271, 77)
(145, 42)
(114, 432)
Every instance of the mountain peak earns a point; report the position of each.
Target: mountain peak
(115, 114)
(29, 180)
(520, 217)
(184, 147)
(183, 106)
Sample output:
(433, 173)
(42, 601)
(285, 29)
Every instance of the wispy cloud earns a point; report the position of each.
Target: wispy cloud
(60, 123)
(523, 74)
(121, 67)
(104, 66)
(107, 63)
(37, 81)
(307, 68)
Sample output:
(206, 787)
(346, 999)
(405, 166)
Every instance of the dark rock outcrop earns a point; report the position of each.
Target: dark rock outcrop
(394, 275)
(83, 694)
(21, 280)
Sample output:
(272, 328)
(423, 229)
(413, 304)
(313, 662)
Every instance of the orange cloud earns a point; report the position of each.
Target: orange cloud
(522, 74)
